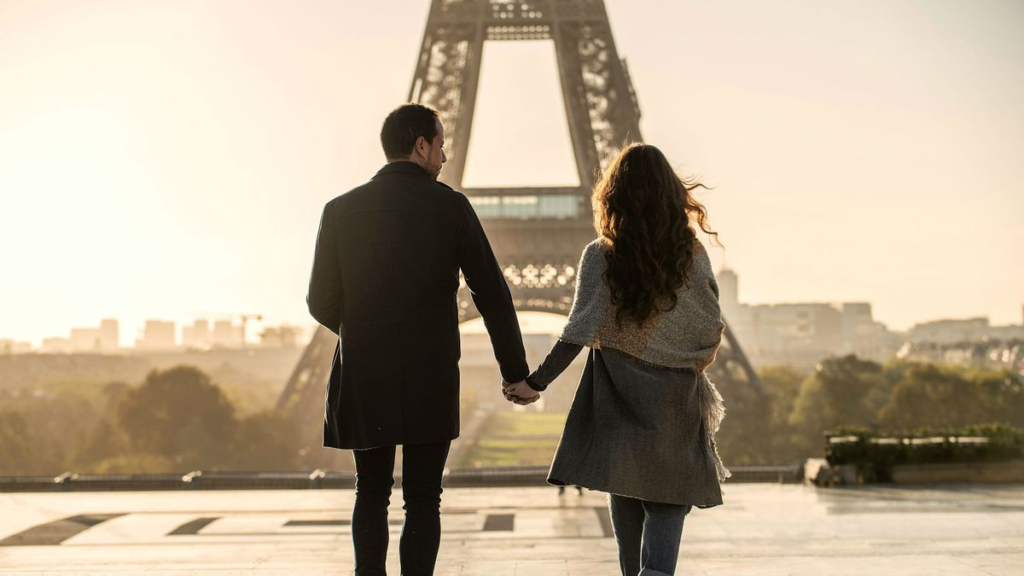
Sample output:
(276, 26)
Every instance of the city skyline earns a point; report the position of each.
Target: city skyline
(171, 159)
(222, 331)
(214, 328)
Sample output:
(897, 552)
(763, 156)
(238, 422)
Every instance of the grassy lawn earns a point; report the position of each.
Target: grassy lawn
(517, 439)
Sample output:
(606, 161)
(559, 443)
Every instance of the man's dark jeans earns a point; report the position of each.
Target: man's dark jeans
(422, 466)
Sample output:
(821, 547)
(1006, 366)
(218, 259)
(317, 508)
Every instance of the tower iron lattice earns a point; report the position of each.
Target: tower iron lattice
(537, 234)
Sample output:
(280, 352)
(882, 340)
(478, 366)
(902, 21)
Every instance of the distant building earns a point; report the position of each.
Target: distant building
(9, 346)
(950, 331)
(85, 339)
(1006, 332)
(284, 336)
(109, 335)
(728, 290)
(106, 338)
(803, 333)
(198, 335)
(865, 337)
(158, 335)
(227, 335)
(963, 331)
(971, 342)
(781, 329)
(56, 345)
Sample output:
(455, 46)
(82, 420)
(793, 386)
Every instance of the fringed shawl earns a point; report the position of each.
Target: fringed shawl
(687, 336)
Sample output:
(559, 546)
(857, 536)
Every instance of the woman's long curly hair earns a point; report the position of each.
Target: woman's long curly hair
(645, 213)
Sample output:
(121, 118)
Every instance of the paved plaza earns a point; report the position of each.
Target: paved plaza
(763, 530)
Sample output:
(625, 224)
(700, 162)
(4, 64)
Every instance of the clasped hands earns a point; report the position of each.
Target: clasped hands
(519, 393)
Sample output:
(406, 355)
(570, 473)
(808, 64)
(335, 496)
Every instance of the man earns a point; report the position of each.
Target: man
(385, 276)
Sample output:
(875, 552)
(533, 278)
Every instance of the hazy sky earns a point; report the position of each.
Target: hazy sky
(169, 159)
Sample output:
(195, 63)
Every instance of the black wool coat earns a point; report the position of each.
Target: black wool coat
(385, 277)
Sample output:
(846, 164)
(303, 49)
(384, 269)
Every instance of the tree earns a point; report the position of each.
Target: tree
(266, 441)
(745, 436)
(756, 429)
(56, 424)
(1002, 394)
(936, 396)
(180, 415)
(783, 386)
(112, 393)
(15, 444)
(842, 391)
(105, 441)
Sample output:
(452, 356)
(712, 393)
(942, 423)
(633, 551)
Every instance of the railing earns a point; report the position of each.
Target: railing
(320, 479)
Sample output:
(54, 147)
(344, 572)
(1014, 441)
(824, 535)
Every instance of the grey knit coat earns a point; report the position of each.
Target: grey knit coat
(643, 421)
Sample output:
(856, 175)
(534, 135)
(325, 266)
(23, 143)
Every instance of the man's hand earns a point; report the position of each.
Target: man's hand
(520, 393)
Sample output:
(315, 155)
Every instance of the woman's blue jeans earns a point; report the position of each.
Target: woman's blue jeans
(648, 535)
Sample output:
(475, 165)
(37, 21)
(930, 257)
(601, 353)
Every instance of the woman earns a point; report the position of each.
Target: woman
(642, 423)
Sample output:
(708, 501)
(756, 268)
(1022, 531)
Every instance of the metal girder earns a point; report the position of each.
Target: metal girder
(599, 99)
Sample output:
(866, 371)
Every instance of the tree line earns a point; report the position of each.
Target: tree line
(175, 420)
(897, 397)
(179, 420)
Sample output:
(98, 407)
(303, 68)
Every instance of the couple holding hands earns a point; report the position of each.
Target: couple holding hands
(641, 426)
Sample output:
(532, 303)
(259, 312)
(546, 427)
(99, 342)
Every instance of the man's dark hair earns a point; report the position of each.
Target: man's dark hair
(403, 126)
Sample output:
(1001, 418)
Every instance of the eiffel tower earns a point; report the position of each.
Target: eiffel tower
(537, 234)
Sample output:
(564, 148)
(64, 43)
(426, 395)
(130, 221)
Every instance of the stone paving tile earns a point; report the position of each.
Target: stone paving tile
(762, 530)
(542, 569)
(999, 564)
(911, 565)
(497, 568)
(584, 568)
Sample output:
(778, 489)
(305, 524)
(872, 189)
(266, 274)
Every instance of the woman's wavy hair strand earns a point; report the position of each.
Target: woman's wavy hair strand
(645, 213)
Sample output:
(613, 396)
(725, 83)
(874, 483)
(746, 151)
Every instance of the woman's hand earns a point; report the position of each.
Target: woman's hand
(520, 393)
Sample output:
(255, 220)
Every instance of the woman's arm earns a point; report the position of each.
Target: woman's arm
(561, 355)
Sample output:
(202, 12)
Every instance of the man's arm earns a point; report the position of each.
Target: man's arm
(325, 296)
(491, 295)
